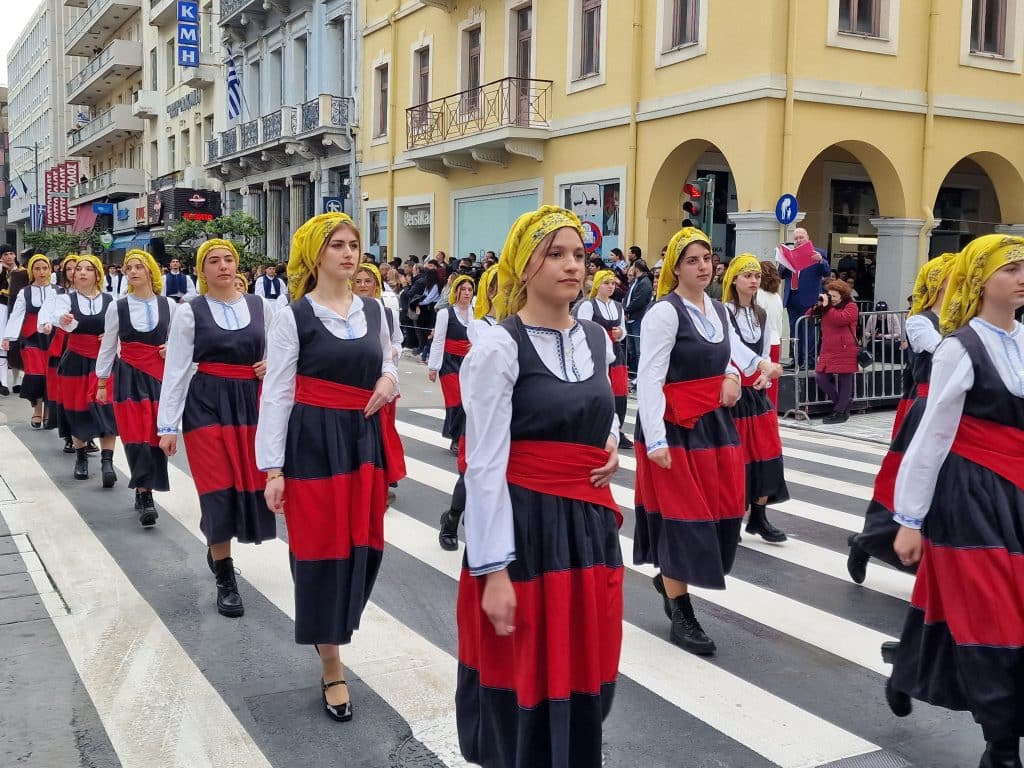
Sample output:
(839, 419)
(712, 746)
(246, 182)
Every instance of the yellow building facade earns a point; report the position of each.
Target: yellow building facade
(898, 125)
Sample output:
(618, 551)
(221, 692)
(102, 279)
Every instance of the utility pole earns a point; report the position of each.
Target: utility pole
(35, 173)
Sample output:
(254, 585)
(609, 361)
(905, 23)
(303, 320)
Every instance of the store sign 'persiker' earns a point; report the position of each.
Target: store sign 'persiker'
(190, 216)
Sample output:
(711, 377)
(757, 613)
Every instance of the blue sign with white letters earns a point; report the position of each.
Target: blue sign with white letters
(786, 210)
(103, 208)
(334, 205)
(188, 33)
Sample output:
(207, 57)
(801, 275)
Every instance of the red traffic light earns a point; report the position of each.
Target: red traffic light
(691, 208)
(691, 190)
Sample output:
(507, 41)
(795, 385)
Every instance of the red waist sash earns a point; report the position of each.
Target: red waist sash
(30, 325)
(687, 401)
(922, 390)
(560, 469)
(228, 370)
(457, 347)
(996, 447)
(748, 381)
(321, 393)
(144, 357)
(84, 344)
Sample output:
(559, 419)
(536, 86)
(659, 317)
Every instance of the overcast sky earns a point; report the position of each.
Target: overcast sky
(16, 14)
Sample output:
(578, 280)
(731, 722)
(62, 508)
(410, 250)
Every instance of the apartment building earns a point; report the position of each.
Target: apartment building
(896, 124)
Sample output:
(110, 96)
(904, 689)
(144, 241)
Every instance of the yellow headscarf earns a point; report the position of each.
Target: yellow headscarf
(453, 292)
(307, 243)
(201, 254)
(745, 262)
(682, 239)
(372, 269)
(929, 281)
(32, 262)
(483, 287)
(601, 276)
(67, 260)
(972, 268)
(154, 269)
(245, 281)
(526, 234)
(97, 265)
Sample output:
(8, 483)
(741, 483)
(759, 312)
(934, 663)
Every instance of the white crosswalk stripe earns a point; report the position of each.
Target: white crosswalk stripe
(416, 677)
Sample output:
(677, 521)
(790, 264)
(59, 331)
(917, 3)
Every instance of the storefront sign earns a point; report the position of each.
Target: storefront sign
(416, 217)
(103, 208)
(58, 183)
(197, 200)
(190, 100)
(192, 216)
(188, 33)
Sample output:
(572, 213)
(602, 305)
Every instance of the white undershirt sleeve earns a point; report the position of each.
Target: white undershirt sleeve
(278, 395)
(921, 334)
(657, 338)
(437, 344)
(178, 370)
(17, 318)
(109, 344)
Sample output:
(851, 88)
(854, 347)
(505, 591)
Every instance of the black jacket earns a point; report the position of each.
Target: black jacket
(638, 298)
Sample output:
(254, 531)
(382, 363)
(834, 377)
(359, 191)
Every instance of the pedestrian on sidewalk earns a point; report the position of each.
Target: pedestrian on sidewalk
(756, 420)
(132, 354)
(923, 335)
(609, 314)
(690, 488)
(215, 360)
(23, 330)
(320, 440)
(80, 313)
(540, 597)
(960, 504)
(837, 314)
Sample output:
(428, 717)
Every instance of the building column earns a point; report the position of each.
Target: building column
(896, 262)
(248, 201)
(273, 224)
(757, 232)
(1015, 230)
(297, 205)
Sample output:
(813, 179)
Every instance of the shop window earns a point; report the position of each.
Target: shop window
(988, 27)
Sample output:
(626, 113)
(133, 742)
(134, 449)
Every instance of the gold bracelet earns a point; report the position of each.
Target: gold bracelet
(274, 474)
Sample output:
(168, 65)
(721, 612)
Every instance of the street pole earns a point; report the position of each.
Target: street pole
(35, 173)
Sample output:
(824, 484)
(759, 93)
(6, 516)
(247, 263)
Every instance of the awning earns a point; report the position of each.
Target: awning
(85, 218)
(133, 240)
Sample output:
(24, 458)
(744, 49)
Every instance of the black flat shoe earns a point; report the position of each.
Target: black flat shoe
(624, 442)
(16, 389)
(147, 510)
(5, 391)
(448, 537)
(659, 587)
(857, 562)
(69, 447)
(687, 632)
(36, 422)
(898, 702)
(341, 713)
(759, 525)
(839, 417)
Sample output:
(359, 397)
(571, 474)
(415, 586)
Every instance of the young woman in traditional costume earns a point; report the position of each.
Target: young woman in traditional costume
(49, 324)
(222, 334)
(320, 440)
(923, 337)
(23, 326)
(960, 504)
(754, 415)
(448, 349)
(690, 487)
(132, 353)
(540, 598)
(607, 313)
(80, 313)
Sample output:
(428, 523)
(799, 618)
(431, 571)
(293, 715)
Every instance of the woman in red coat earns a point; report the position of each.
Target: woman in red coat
(837, 360)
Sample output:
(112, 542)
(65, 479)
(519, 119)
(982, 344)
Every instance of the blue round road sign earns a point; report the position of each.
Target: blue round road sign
(786, 209)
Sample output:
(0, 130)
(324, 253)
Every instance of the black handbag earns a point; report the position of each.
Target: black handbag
(864, 357)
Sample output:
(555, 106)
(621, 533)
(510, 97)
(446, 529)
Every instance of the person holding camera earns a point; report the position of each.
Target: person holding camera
(837, 360)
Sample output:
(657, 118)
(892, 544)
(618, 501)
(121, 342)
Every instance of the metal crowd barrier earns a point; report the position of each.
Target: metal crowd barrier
(878, 385)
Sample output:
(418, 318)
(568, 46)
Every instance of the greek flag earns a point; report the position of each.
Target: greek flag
(14, 190)
(234, 89)
(82, 119)
(38, 214)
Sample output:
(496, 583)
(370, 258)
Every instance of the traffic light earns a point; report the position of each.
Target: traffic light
(699, 209)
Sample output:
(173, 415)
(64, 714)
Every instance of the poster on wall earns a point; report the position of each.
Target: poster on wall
(597, 203)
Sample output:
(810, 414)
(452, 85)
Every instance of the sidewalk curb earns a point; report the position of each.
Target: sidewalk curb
(806, 427)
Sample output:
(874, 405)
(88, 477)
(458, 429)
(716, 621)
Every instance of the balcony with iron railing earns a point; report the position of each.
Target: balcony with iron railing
(238, 12)
(116, 183)
(322, 116)
(485, 124)
(104, 131)
(95, 81)
(97, 25)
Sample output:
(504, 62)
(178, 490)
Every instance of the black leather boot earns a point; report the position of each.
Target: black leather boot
(857, 561)
(229, 602)
(1001, 753)
(107, 469)
(898, 702)
(758, 525)
(147, 509)
(666, 602)
(449, 535)
(687, 632)
(81, 464)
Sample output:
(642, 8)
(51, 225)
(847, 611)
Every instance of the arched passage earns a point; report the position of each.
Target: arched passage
(979, 192)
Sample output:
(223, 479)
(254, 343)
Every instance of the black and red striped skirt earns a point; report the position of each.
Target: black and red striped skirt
(76, 380)
(537, 699)
(758, 426)
(219, 430)
(455, 351)
(138, 372)
(688, 517)
(962, 645)
(336, 493)
(33, 359)
(54, 406)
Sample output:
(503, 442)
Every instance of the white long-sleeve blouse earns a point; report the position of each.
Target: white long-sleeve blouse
(178, 366)
(40, 295)
(951, 379)
(441, 334)
(487, 377)
(610, 310)
(144, 315)
(278, 395)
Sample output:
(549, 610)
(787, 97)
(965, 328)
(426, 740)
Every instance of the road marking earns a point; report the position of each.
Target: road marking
(117, 643)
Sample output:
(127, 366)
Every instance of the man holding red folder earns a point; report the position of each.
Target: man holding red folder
(802, 268)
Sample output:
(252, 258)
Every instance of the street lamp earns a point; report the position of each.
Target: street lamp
(35, 173)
